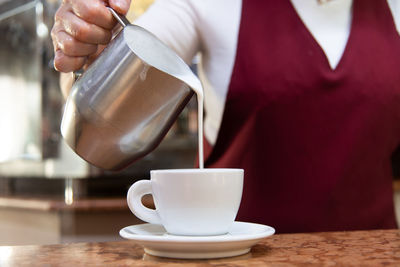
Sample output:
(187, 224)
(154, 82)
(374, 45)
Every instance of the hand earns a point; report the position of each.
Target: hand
(80, 27)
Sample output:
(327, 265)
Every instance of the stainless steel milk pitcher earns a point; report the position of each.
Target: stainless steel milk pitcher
(126, 101)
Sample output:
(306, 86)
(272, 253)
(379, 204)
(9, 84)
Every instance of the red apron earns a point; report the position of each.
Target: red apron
(315, 143)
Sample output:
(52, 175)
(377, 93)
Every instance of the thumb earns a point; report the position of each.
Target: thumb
(121, 6)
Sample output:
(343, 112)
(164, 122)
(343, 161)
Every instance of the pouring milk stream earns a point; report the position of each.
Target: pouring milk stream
(126, 101)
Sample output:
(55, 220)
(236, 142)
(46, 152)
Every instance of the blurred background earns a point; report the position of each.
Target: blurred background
(47, 193)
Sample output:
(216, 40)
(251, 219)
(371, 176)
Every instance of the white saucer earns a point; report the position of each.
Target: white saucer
(156, 241)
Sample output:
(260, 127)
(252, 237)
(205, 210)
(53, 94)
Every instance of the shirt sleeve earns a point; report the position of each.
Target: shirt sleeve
(174, 23)
(394, 6)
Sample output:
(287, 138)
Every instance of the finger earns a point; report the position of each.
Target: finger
(72, 47)
(84, 31)
(56, 28)
(68, 45)
(65, 63)
(94, 12)
(121, 6)
(94, 56)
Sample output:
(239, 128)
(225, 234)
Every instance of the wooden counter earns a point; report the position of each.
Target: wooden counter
(358, 248)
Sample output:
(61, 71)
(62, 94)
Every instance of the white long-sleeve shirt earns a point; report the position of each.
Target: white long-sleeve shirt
(211, 28)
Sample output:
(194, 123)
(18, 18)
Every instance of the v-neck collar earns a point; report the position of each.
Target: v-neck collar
(317, 45)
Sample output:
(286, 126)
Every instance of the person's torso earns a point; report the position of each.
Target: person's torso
(315, 142)
(329, 24)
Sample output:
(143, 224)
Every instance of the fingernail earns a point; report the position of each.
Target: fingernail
(57, 55)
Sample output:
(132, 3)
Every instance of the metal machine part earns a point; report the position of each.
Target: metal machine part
(30, 99)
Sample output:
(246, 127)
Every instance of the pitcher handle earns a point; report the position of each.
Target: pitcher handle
(120, 18)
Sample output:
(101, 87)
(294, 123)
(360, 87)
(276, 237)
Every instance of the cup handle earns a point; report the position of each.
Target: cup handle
(134, 199)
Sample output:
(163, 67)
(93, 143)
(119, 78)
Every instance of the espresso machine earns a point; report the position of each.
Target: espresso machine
(30, 100)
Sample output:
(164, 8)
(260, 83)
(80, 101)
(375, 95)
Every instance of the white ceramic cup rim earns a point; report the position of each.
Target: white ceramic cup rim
(198, 170)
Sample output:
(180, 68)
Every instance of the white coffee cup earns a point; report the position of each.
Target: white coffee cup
(190, 201)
